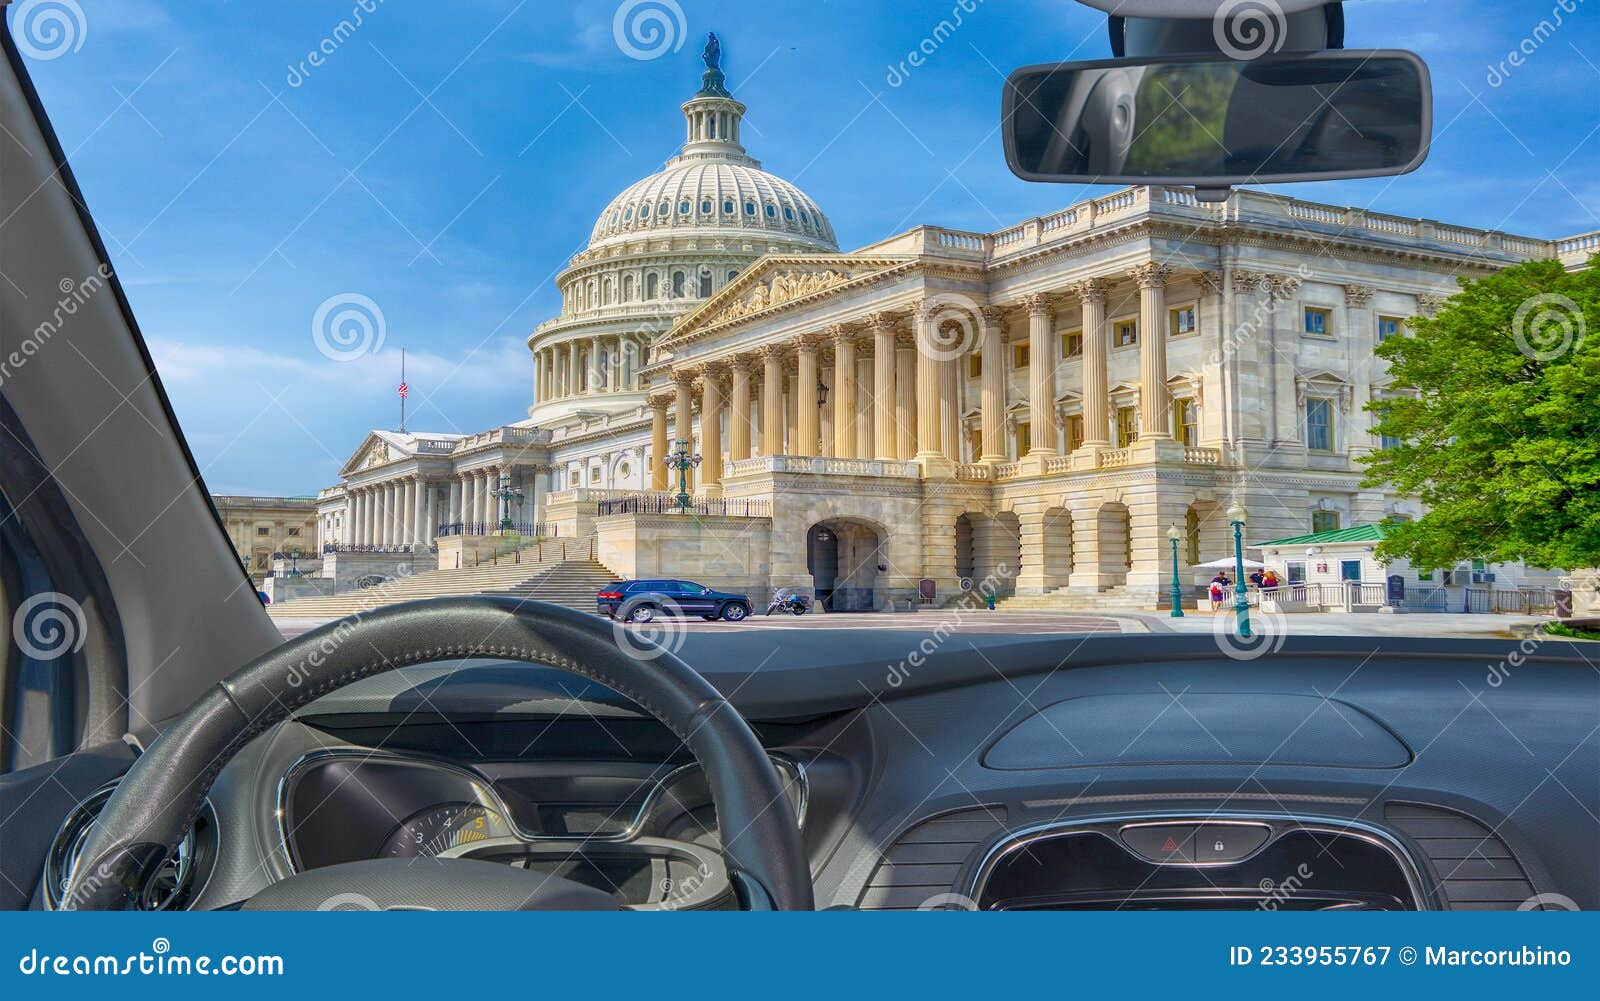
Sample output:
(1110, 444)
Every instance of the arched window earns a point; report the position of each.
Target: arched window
(627, 216)
(652, 286)
(684, 207)
(732, 275)
(610, 292)
(705, 284)
(678, 284)
(706, 208)
(749, 208)
(713, 126)
(727, 207)
(788, 213)
(772, 211)
(627, 288)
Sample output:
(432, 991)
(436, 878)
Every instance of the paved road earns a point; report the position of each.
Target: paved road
(1059, 623)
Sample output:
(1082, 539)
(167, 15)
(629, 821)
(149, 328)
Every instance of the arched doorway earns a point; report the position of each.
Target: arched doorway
(844, 557)
(1115, 528)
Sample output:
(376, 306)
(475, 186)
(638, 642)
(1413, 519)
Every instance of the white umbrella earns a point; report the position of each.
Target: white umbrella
(1228, 564)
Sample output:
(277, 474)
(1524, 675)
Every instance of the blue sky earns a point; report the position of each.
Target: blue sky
(445, 160)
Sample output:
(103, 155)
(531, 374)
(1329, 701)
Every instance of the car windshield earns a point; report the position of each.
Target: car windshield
(557, 300)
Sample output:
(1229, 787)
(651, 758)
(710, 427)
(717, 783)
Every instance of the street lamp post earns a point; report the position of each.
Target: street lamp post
(683, 461)
(1176, 534)
(1237, 516)
(507, 495)
(294, 562)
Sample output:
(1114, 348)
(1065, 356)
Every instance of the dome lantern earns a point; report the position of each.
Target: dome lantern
(714, 119)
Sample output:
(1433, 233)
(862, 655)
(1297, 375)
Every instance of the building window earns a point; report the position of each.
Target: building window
(706, 207)
(1319, 425)
(1191, 526)
(1127, 426)
(1072, 345)
(975, 366)
(1021, 356)
(679, 284)
(652, 286)
(1319, 322)
(705, 284)
(1074, 432)
(1184, 321)
(788, 214)
(974, 444)
(1297, 572)
(1350, 571)
(594, 476)
(750, 208)
(727, 207)
(263, 532)
(1324, 521)
(294, 533)
(1127, 333)
(1386, 441)
(1186, 418)
(1388, 326)
(1024, 438)
(772, 211)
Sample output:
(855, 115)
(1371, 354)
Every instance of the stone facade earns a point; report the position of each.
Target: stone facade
(1036, 405)
(263, 527)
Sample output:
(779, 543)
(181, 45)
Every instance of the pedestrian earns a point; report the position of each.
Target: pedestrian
(1270, 582)
(1219, 587)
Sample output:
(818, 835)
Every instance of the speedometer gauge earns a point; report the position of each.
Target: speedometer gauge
(439, 829)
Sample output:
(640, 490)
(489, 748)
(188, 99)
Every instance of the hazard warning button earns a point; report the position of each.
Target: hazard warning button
(1161, 842)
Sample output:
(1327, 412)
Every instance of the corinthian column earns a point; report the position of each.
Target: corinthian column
(994, 386)
(1042, 375)
(1154, 398)
(683, 417)
(845, 392)
(808, 433)
(885, 433)
(574, 373)
(905, 396)
(1096, 386)
(772, 401)
(929, 383)
(739, 412)
(711, 427)
(658, 442)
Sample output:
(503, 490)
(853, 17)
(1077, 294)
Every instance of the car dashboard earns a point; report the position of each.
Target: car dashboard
(1016, 774)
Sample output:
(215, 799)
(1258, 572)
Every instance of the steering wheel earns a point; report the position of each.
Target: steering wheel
(162, 794)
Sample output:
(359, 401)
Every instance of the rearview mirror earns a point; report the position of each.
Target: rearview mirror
(1216, 122)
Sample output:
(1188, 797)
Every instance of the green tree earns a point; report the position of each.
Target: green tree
(1497, 410)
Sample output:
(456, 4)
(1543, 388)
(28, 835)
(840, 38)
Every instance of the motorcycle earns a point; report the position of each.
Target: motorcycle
(791, 602)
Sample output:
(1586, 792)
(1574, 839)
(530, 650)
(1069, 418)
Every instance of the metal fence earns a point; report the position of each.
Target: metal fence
(660, 504)
(482, 529)
(1352, 595)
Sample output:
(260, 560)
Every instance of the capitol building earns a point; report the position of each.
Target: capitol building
(1037, 406)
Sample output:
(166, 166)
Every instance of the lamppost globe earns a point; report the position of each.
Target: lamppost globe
(1237, 514)
(1175, 533)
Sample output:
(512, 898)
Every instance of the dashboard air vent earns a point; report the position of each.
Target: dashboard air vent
(920, 869)
(173, 886)
(1475, 869)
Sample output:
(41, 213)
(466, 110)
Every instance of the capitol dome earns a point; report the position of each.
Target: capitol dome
(713, 184)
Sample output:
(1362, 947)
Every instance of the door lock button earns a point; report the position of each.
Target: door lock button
(1228, 842)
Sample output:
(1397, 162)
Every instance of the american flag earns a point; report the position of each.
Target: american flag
(405, 390)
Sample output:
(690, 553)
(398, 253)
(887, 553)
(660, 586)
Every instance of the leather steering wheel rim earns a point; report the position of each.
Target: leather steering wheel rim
(162, 794)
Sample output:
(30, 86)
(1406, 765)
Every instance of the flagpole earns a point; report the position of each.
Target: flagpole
(402, 391)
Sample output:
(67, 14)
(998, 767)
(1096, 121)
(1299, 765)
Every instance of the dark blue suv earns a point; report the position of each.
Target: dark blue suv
(644, 600)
